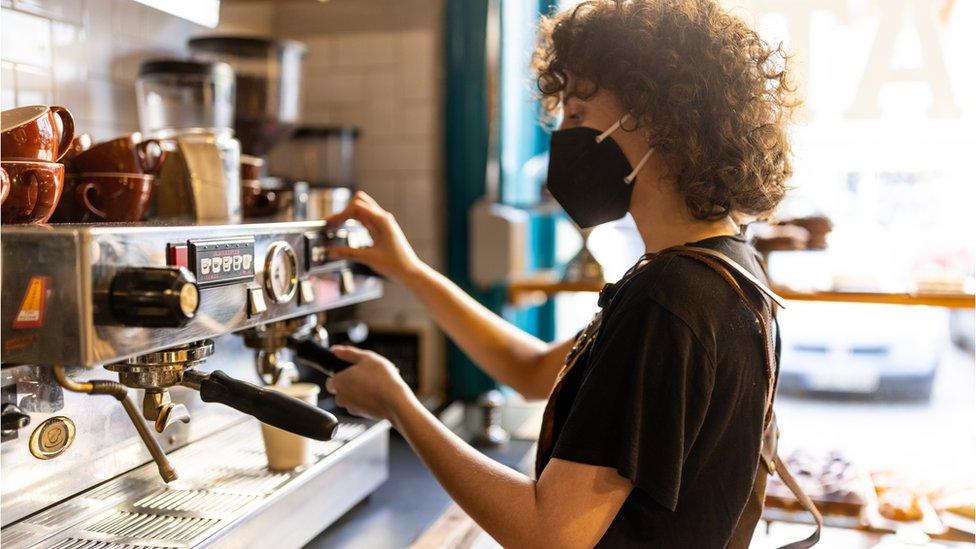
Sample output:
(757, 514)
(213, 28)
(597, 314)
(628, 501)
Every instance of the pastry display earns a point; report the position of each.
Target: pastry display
(899, 504)
(960, 502)
(900, 500)
(831, 481)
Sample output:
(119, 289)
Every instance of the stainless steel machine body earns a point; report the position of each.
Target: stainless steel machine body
(80, 261)
(78, 297)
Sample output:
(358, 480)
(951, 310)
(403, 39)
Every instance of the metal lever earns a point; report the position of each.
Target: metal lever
(13, 418)
(318, 356)
(267, 405)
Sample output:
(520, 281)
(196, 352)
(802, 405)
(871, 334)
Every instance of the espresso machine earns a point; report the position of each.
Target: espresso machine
(190, 321)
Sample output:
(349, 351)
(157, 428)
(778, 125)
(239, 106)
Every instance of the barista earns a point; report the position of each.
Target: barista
(674, 112)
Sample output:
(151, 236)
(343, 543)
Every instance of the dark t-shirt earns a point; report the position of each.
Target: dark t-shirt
(671, 394)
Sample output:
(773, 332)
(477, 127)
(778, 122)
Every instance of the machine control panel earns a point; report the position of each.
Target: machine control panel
(317, 244)
(280, 272)
(223, 261)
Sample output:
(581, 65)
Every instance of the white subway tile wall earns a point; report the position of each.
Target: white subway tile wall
(388, 81)
(84, 54)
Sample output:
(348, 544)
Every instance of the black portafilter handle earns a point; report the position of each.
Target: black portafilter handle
(325, 360)
(270, 406)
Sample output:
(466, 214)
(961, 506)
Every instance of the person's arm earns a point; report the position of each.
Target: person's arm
(571, 505)
(508, 354)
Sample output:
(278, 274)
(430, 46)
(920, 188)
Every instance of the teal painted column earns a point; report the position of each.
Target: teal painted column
(466, 146)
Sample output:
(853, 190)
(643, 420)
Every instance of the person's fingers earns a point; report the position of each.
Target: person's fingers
(362, 255)
(341, 217)
(329, 386)
(349, 354)
(358, 210)
(360, 195)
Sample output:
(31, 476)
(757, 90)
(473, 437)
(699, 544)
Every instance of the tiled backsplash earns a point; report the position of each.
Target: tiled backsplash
(84, 54)
(388, 81)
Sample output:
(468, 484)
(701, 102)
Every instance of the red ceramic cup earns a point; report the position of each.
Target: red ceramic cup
(111, 197)
(126, 154)
(79, 144)
(4, 185)
(258, 202)
(251, 167)
(31, 133)
(35, 189)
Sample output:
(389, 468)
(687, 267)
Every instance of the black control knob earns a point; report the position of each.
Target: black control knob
(154, 297)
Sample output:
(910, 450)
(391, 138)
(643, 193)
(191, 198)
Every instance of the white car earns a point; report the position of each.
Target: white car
(876, 351)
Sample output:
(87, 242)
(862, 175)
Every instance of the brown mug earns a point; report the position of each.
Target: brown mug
(251, 167)
(112, 197)
(31, 133)
(125, 154)
(4, 185)
(35, 189)
(258, 202)
(79, 144)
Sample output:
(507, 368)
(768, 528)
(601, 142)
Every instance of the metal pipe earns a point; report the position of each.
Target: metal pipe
(166, 469)
(119, 391)
(62, 378)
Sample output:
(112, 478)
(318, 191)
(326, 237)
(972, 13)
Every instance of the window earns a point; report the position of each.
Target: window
(884, 148)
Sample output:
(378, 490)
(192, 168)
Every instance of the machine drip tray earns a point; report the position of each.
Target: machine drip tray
(225, 496)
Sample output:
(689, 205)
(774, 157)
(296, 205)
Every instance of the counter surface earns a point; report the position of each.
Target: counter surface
(403, 507)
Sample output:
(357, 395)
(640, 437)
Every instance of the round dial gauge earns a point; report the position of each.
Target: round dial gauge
(280, 272)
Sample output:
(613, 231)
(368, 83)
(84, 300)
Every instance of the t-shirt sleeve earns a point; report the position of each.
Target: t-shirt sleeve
(642, 401)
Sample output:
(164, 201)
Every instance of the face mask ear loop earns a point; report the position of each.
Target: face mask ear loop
(633, 175)
(611, 129)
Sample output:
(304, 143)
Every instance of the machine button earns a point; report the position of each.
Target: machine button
(177, 255)
(306, 292)
(156, 297)
(347, 282)
(255, 301)
(52, 438)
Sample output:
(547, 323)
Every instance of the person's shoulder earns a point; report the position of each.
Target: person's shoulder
(689, 289)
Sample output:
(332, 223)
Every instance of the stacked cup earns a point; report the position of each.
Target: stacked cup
(112, 181)
(256, 201)
(31, 143)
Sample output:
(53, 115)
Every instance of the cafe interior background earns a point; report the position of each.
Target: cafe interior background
(450, 141)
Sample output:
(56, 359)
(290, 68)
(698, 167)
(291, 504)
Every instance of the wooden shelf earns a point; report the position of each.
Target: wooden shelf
(547, 285)
(950, 300)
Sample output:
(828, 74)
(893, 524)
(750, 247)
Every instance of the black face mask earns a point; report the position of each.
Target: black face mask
(590, 176)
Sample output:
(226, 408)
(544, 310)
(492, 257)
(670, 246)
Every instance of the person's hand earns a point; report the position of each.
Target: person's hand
(371, 387)
(391, 254)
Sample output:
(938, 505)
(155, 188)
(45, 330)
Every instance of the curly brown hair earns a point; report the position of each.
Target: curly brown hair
(707, 89)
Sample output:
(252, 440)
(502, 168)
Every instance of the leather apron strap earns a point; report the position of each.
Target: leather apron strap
(768, 453)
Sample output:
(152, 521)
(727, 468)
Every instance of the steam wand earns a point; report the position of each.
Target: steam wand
(117, 390)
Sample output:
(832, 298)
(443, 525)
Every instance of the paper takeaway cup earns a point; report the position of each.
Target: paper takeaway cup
(287, 451)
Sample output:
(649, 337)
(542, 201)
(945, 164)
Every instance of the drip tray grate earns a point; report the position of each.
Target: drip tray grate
(196, 501)
(164, 528)
(77, 543)
(222, 478)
